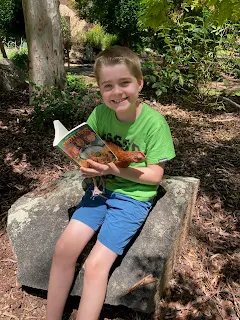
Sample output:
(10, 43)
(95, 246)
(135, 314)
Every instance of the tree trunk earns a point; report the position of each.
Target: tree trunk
(3, 49)
(45, 42)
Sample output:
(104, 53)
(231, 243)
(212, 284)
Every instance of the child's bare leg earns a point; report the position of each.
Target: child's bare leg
(95, 282)
(67, 250)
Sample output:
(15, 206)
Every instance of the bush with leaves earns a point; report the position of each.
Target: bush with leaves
(98, 39)
(116, 17)
(71, 105)
(186, 55)
(228, 49)
(20, 58)
(153, 14)
(11, 18)
(66, 32)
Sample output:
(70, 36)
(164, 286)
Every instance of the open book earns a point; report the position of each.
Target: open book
(82, 143)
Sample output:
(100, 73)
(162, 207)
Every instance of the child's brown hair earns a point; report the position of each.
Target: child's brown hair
(118, 55)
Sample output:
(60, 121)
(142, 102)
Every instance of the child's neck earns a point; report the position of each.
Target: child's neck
(131, 115)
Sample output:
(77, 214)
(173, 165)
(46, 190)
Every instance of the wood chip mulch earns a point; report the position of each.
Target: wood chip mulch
(206, 278)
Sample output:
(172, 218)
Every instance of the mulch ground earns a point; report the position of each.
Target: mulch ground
(206, 277)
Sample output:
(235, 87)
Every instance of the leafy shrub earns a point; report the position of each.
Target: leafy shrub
(98, 39)
(71, 105)
(80, 38)
(108, 40)
(66, 32)
(116, 17)
(185, 55)
(76, 83)
(94, 36)
(20, 58)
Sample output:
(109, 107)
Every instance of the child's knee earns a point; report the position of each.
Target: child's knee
(63, 252)
(60, 248)
(95, 267)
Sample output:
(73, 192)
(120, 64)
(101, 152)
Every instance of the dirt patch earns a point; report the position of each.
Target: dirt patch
(206, 280)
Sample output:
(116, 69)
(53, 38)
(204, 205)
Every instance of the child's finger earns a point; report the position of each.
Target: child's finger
(91, 172)
(97, 166)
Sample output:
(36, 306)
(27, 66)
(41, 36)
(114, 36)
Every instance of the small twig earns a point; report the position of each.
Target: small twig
(232, 102)
(8, 260)
(144, 281)
(9, 315)
(234, 299)
(224, 120)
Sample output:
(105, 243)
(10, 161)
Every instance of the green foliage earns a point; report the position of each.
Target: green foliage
(11, 18)
(20, 58)
(76, 83)
(94, 37)
(221, 10)
(72, 104)
(66, 32)
(228, 50)
(80, 38)
(6, 13)
(109, 40)
(154, 13)
(186, 55)
(157, 13)
(98, 39)
(118, 17)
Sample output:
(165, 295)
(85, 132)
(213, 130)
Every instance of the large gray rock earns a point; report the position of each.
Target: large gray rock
(35, 222)
(11, 77)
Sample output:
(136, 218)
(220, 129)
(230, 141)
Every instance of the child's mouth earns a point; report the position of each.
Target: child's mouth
(120, 100)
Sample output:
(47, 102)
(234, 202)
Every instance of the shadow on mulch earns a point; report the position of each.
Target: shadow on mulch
(108, 311)
(82, 69)
(214, 161)
(207, 104)
(20, 147)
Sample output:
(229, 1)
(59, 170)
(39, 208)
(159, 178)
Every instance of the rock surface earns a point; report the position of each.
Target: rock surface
(35, 222)
(11, 77)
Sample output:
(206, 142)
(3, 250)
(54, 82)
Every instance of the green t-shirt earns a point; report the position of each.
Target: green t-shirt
(149, 133)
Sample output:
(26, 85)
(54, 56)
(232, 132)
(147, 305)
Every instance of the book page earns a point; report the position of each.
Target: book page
(83, 143)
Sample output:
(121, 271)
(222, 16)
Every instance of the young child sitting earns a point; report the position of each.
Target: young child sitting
(133, 125)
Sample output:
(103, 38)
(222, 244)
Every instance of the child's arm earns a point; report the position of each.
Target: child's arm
(152, 174)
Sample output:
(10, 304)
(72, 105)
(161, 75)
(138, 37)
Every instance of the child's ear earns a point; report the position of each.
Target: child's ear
(140, 84)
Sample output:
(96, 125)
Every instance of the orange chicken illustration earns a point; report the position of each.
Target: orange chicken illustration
(125, 158)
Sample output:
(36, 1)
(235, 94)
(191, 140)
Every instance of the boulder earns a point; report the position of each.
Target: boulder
(11, 77)
(36, 220)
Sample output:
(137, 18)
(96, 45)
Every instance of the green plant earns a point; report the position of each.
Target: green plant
(108, 40)
(94, 37)
(11, 18)
(20, 58)
(98, 39)
(186, 54)
(76, 83)
(66, 31)
(154, 14)
(116, 17)
(80, 38)
(71, 105)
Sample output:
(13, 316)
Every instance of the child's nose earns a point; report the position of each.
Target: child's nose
(117, 89)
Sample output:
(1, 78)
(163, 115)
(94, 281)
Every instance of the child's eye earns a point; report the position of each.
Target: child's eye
(125, 83)
(107, 86)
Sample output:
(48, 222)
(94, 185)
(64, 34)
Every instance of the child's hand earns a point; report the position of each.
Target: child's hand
(96, 169)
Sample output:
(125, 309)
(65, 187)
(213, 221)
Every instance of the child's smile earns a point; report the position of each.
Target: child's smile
(120, 90)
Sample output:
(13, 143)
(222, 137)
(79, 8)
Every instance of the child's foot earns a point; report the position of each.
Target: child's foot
(96, 191)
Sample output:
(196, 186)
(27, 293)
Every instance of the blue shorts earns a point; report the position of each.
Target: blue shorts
(119, 217)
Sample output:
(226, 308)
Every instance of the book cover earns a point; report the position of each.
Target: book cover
(82, 143)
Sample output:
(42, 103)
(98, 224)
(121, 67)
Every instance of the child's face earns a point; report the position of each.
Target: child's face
(119, 88)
